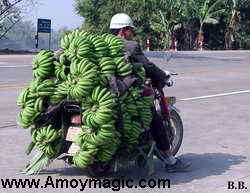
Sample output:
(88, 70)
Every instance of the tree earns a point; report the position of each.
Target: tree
(186, 19)
(98, 13)
(233, 20)
(10, 13)
(20, 37)
(206, 12)
(166, 20)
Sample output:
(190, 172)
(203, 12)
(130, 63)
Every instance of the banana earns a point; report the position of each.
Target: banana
(95, 93)
(108, 103)
(108, 67)
(125, 68)
(106, 96)
(53, 136)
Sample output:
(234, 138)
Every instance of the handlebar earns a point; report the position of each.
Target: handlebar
(167, 82)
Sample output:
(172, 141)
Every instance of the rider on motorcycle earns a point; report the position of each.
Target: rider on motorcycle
(122, 26)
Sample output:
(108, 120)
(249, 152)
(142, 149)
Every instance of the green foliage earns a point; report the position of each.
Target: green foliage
(224, 23)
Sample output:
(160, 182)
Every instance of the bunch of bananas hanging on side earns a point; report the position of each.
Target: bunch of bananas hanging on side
(140, 73)
(98, 107)
(43, 64)
(123, 68)
(107, 66)
(26, 117)
(107, 151)
(115, 44)
(31, 100)
(42, 88)
(44, 137)
(85, 157)
(97, 144)
(136, 115)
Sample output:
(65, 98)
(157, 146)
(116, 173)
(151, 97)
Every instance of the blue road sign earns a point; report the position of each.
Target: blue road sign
(44, 25)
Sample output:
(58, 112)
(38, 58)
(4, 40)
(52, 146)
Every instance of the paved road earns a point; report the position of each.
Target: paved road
(213, 94)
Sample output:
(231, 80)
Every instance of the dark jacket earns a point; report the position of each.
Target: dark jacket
(152, 71)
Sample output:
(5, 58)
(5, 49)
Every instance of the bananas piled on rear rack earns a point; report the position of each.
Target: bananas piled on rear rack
(80, 73)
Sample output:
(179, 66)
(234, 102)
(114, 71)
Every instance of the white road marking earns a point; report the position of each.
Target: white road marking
(15, 66)
(215, 95)
(232, 57)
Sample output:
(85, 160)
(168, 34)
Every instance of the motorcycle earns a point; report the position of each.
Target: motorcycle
(164, 107)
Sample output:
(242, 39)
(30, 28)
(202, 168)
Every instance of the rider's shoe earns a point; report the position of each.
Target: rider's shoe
(179, 166)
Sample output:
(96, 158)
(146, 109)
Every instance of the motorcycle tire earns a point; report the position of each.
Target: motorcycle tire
(178, 129)
(177, 125)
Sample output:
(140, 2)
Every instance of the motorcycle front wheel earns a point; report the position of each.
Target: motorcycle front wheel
(177, 130)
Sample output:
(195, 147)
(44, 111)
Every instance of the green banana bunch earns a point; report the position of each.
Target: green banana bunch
(56, 98)
(42, 88)
(107, 151)
(43, 64)
(62, 89)
(65, 42)
(83, 69)
(116, 45)
(44, 137)
(32, 106)
(98, 107)
(27, 117)
(61, 70)
(99, 45)
(128, 131)
(84, 158)
(23, 98)
(68, 38)
(80, 87)
(139, 71)
(123, 68)
(103, 81)
(102, 143)
(99, 136)
(24, 121)
(79, 48)
(39, 105)
(107, 66)
(136, 115)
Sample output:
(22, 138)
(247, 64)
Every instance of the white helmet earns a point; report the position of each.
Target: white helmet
(121, 20)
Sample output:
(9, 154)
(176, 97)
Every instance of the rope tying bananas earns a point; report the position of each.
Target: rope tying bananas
(81, 74)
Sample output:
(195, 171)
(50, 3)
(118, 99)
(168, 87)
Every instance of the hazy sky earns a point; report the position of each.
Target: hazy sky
(61, 13)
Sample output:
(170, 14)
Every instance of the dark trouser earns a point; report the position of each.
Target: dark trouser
(158, 131)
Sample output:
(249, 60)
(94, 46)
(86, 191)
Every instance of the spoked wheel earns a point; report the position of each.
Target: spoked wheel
(99, 169)
(177, 130)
